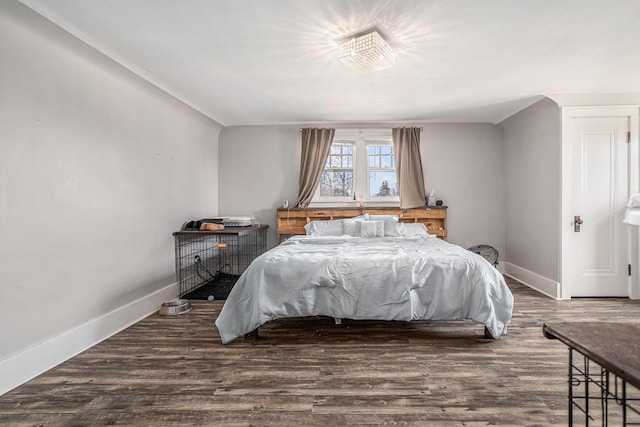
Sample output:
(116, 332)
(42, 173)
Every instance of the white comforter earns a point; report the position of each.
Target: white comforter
(386, 278)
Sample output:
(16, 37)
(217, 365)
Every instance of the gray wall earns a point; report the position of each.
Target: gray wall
(259, 167)
(258, 170)
(533, 177)
(97, 169)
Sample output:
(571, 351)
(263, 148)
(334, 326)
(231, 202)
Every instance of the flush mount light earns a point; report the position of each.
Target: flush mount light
(366, 52)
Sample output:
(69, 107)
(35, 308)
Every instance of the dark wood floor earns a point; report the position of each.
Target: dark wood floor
(174, 371)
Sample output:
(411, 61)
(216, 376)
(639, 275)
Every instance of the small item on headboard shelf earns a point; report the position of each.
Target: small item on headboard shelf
(431, 200)
(439, 202)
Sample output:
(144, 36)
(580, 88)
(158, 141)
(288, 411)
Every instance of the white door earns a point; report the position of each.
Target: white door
(599, 185)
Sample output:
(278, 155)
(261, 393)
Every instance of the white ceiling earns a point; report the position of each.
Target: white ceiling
(244, 62)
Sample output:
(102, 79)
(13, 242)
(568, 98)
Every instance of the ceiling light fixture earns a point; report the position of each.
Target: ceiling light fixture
(366, 52)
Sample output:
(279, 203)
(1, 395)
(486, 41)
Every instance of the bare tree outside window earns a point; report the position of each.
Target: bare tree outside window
(337, 178)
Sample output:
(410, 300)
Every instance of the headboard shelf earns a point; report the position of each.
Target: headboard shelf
(291, 221)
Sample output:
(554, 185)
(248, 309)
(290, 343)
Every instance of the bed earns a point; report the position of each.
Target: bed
(360, 272)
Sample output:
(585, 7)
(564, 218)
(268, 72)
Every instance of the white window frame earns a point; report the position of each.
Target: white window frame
(340, 199)
(378, 199)
(361, 138)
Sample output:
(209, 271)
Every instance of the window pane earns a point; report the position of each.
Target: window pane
(336, 183)
(341, 156)
(383, 184)
(386, 161)
(374, 162)
(381, 156)
(347, 160)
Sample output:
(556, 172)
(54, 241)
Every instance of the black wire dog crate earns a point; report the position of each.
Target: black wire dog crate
(210, 262)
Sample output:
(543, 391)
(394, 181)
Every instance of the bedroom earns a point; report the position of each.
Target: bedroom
(99, 167)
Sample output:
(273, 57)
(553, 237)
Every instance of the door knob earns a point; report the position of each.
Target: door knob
(577, 222)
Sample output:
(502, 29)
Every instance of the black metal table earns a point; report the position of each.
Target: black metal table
(606, 370)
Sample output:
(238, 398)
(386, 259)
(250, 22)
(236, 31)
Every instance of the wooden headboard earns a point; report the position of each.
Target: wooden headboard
(291, 221)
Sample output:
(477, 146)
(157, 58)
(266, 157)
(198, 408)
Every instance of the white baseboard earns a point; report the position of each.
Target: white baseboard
(533, 280)
(28, 364)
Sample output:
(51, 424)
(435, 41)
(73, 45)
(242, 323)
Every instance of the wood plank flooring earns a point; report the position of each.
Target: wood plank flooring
(173, 371)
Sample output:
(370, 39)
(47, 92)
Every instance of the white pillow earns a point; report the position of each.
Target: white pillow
(325, 228)
(369, 228)
(383, 217)
(413, 229)
(349, 224)
(390, 223)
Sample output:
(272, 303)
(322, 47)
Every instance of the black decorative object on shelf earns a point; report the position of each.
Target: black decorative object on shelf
(439, 202)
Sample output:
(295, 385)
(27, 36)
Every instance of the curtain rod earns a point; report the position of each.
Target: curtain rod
(421, 129)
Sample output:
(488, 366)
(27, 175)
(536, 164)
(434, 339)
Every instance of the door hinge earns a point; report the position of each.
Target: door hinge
(628, 137)
(629, 269)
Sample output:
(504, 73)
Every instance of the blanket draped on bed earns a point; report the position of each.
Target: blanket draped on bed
(387, 278)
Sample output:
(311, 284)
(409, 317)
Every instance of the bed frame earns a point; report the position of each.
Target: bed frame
(291, 221)
(254, 335)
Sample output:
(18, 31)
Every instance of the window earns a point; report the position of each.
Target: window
(360, 167)
(337, 177)
(382, 171)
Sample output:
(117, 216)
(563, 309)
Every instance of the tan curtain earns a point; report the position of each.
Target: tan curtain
(316, 144)
(406, 145)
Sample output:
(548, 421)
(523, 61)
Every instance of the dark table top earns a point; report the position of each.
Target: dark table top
(614, 346)
(227, 230)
